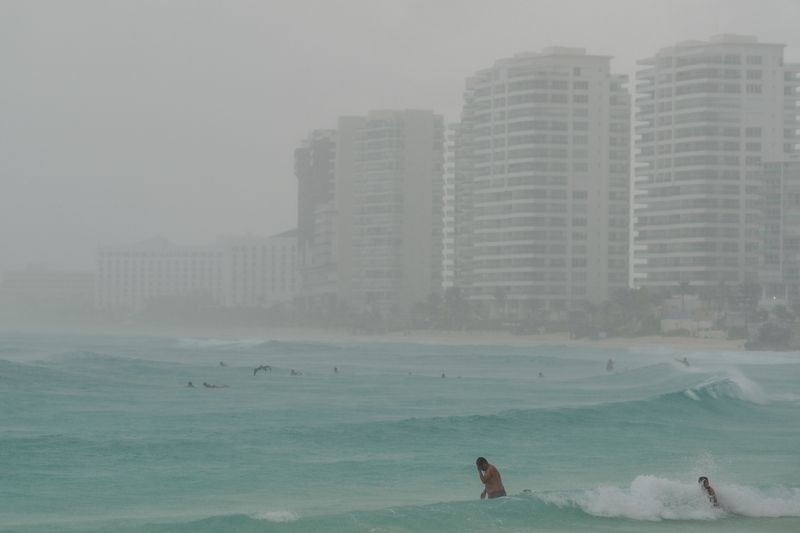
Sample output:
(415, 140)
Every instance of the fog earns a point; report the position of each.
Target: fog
(128, 121)
(365, 265)
(125, 120)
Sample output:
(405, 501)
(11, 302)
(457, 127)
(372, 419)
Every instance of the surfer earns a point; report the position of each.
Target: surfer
(610, 365)
(709, 490)
(490, 477)
(265, 368)
(685, 361)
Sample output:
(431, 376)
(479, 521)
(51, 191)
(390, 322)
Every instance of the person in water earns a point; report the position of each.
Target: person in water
(490, 477)
(610, 365)
(265, 368)
(190, 385)
(709, 490)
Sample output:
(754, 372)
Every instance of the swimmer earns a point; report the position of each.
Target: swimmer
(221, 363)
(541, 375)
(190, 385)
(685, 361)
(709, 490)
(610, 365)
(265, 368)
(294, 372)
(490, 477)
(443, 376)
(335, 370)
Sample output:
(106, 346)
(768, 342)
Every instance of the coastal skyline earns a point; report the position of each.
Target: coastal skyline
(184, 122)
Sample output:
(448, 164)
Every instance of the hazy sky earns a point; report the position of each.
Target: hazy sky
(124, 120)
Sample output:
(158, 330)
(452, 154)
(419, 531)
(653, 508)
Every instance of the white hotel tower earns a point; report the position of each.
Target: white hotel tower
(709, 115)
(543, 183)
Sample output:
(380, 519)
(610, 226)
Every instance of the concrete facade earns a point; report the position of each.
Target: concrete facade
(709, 114)
(396, 209)
(260, 271)
(779, 274)
(542, 183)
(315, 170)
(130, 277)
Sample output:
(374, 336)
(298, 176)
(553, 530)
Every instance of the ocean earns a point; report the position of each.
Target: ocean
(103, 434)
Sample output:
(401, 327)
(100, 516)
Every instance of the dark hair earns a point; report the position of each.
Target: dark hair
(701, 479)
(481, 461)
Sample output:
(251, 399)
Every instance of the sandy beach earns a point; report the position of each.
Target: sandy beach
(508, 339)
(473, 337)
(311, 334)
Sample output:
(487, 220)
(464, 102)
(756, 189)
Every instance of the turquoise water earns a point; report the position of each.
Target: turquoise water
(101, 434)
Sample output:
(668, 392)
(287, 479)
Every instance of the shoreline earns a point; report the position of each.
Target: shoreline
(312, 334)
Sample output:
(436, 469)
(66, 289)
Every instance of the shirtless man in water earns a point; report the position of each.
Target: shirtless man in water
(490, 477)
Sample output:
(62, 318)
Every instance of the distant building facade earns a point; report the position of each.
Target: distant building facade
(260, 271)
(370, 214)
(236, 271)
(315, 170)
(448, 209)
(131, 277)
(709, 115)
(779, 274)
(396, 210)
(542, 183)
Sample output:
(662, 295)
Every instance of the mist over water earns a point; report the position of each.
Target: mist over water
(102, 432)
(289, 266)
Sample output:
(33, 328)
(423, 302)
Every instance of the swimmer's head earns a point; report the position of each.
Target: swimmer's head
(481, 462)
(703, 480)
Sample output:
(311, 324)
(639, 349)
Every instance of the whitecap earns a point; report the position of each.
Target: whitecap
(653, 498)
(731, 384)
(276, 516)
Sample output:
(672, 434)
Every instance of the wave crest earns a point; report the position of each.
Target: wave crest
(276, 516)
(652, 498)
(734, 385)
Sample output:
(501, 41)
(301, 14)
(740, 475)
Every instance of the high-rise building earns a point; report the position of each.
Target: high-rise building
(396, 195)
(448, 209)
(779, 274)
(259, 271)
(347, 134)
(709, 115)
(542, 170)
(315, 169)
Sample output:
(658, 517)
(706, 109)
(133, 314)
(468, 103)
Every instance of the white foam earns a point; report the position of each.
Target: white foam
(276, 516)
(731, 384)
(653, 498)
(692, 394)
(194, 342)
(748, 501)
(648, 498)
